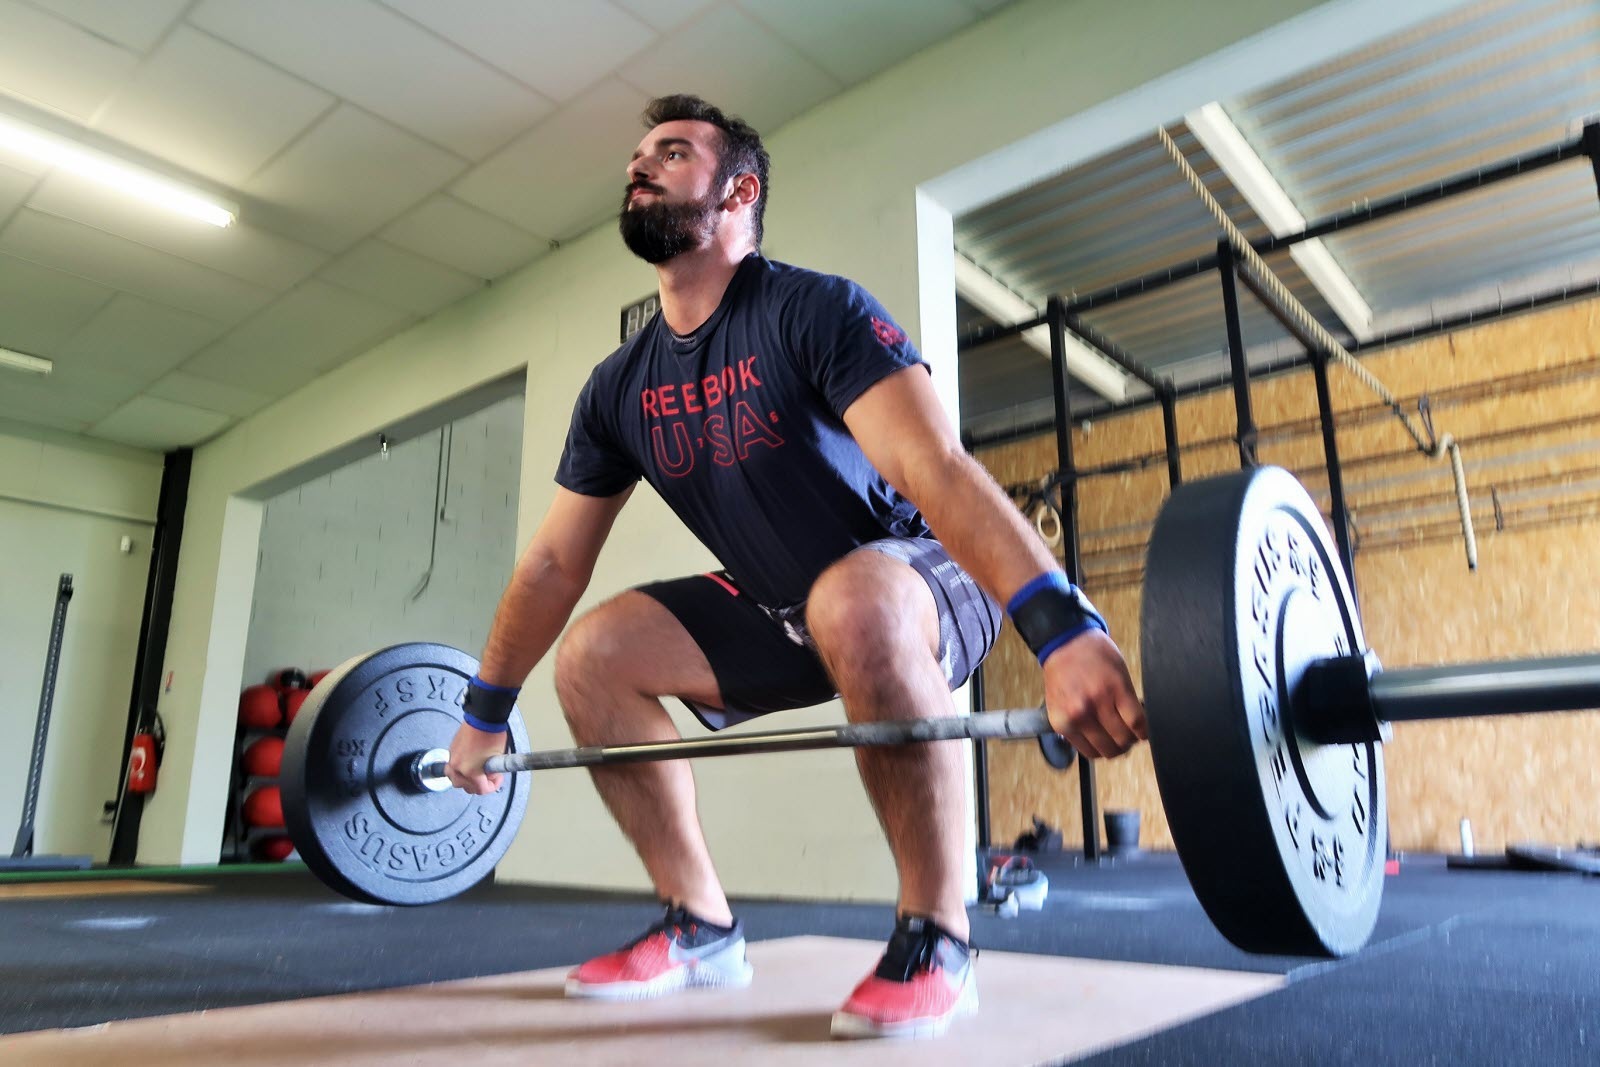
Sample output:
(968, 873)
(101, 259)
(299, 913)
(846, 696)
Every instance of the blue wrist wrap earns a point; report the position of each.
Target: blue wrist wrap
(1050, 611)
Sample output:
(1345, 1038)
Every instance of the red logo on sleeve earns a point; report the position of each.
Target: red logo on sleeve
(888, 333)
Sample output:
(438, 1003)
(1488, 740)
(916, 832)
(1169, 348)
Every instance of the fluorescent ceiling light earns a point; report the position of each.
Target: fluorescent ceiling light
(96, 166)
(23, 361)
(1250, 175)
(989, 295)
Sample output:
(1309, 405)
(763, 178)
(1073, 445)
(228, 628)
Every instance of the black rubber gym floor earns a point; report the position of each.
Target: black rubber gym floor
(1466, 966)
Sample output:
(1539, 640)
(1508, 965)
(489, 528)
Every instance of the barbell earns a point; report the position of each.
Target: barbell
(369, 809)
(1267, 715)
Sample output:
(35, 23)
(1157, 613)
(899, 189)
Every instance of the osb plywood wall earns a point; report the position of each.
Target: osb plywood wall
(1522, 396)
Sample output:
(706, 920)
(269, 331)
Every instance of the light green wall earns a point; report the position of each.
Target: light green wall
(66, 503)
(70, 472)
(845, 180)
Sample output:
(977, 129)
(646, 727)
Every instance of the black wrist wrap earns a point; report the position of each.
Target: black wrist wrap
(490, 704)
(1051, 613)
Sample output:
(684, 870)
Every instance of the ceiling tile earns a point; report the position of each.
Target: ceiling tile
(575, 160)
(385, 63)
(465, 238)
(159, 425)
(210, 395)
(57, 65)
(665, 14)
(44, 403)
(138, 337)
(242, 250)
(351, 174)
(731, 60)
(137, 26)
(559, 48)
(851, 40)
(230, 367)
(399, 277)
(315, 326)
(15, 185)
(75, 390)
(18, 409)
(122, 264)
(211, 108)
(43, 307)
(110, 387)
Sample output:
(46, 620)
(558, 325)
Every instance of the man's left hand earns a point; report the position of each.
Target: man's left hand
(1090, 699)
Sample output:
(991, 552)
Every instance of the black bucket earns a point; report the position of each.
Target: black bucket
(1122, 832)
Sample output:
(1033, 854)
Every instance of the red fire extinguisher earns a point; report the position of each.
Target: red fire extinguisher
(144, 757)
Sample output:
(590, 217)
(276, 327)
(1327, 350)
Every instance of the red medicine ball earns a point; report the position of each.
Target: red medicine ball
(274, 849)
(259, 708)
(264, 757)
(292, 702)
(318, 676)
(264, 807)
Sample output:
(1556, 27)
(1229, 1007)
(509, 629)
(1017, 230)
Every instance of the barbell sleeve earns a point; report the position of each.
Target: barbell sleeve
(1497, 687)
(1008, 723)
(1350, 700)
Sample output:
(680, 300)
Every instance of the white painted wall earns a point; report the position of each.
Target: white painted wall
(846, 179)
(343, 554)
(65, 505)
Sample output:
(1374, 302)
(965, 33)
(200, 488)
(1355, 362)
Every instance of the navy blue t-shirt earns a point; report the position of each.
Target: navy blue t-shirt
(739, 427)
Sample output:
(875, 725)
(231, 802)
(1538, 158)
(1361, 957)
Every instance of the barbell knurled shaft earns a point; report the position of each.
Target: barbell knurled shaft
(1008, 723)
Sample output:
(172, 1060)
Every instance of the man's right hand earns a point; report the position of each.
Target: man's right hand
(468, 751)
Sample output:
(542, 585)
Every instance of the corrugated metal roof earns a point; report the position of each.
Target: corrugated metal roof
(1485, 83)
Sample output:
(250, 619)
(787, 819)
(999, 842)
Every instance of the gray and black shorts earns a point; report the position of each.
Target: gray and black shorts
(765, 661)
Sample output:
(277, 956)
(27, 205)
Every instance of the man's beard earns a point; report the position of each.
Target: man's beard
(658, 231)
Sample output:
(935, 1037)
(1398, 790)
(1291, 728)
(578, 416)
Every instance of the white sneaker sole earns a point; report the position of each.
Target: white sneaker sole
(849, 1025)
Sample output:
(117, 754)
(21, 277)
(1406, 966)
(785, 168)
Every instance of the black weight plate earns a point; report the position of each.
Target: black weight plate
(347, 799)
(1283, 839)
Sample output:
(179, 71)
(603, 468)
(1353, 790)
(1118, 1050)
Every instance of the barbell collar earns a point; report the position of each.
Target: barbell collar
(1333, 701)
(1009, 723)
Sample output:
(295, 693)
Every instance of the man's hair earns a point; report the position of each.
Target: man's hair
(741, 151)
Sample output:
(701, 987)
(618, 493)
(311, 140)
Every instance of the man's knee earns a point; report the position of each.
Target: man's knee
(869, 609)
(592, 654)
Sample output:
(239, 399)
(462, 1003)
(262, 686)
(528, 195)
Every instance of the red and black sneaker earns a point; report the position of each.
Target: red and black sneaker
(678, 951)
(923, 982)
